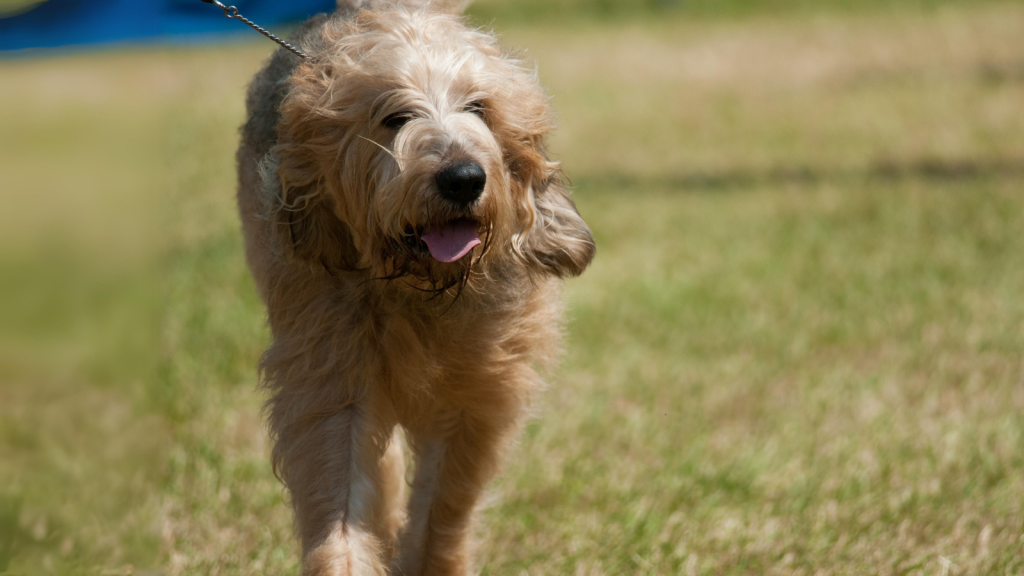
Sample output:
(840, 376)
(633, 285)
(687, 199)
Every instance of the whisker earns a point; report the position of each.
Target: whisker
(382, 147)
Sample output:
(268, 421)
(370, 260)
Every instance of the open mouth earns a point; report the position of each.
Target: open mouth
(449, 242)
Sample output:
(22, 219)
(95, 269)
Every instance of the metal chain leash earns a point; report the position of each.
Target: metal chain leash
(232, 13)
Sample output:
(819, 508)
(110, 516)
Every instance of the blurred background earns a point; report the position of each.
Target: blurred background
(800, 348)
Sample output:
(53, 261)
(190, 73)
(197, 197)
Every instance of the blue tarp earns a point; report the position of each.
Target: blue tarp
(56, 23)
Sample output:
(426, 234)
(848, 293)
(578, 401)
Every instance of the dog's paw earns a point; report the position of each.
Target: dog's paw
(350, 553)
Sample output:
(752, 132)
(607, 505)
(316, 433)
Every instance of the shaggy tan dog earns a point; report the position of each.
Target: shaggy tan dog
(408, 234)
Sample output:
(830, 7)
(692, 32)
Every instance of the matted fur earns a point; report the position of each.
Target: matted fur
(369, 332)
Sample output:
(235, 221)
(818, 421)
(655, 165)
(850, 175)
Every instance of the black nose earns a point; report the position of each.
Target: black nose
(462, 182)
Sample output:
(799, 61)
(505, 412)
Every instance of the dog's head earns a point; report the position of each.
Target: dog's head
(413, 147)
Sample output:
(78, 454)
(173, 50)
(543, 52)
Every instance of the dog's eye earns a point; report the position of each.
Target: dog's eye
(397, 120)
(477, 108)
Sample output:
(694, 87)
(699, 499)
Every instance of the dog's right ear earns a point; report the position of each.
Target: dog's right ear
(302, 223)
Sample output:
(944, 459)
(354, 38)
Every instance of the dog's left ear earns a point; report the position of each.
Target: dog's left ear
(303, 225)
(559, 241)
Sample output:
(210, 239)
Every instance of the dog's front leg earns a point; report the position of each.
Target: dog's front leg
(338, 468)
(451, 472)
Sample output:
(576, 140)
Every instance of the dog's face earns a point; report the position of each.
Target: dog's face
(413, 147)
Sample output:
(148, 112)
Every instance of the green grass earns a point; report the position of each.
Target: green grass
(800, 349)
(561, 11)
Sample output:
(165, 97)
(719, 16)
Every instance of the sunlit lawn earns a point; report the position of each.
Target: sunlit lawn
(800, 348)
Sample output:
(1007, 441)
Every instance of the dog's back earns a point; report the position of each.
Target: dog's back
(258, 135)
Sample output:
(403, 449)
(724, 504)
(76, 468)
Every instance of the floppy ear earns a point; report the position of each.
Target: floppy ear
(303, 225)
(559, 241)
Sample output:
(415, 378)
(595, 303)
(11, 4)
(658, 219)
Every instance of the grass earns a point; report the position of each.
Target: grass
(800, 350)
(565, 11)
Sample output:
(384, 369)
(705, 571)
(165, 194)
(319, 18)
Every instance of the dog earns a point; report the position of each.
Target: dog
(408, 234)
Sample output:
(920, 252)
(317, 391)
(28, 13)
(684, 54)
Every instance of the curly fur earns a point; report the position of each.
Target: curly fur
(370, 334)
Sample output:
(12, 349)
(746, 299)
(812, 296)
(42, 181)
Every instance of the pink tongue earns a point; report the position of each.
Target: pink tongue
(452, 241)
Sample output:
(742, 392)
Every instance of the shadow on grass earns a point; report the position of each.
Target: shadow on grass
(734, 180)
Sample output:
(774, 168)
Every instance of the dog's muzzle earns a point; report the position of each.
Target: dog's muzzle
(460, 184)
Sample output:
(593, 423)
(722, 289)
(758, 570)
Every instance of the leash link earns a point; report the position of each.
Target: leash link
(231, 12)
